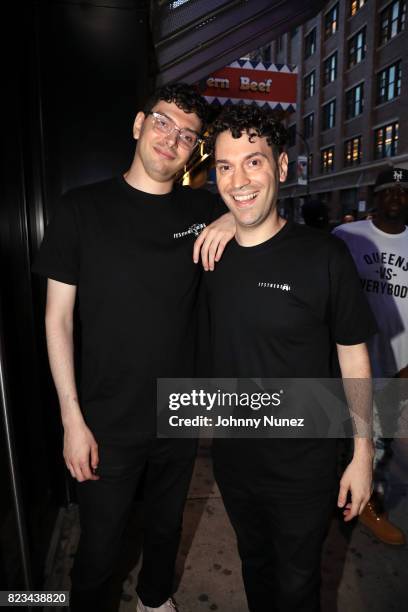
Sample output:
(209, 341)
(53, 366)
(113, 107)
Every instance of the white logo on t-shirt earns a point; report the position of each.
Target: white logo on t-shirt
(281, 286)
(195, 229)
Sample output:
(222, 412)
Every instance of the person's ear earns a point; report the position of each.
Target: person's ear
(137, 126)
(283, 167)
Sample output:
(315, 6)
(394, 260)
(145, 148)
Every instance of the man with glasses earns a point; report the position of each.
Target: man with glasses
(125, 247)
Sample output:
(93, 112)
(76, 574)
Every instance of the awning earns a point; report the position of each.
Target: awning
(194, 38)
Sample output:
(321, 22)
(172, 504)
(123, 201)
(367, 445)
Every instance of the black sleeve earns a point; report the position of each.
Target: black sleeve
(351, 318)
(58, 257)
(219, 208)
(211, 203)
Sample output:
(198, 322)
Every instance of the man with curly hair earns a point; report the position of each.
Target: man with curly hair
(282, 301)
(125, 248)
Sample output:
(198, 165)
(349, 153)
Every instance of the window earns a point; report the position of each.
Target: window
(310, 43)
(352, 151)
(389, 83)
(291, 135)
(330, 69)
(294, 32)
(354, 101)
(280, 43)
(331, 22)
(329, 115)
(355, 6)
(357, 48)
(308, 122)
(392, 20)
(327, 160)
(386, 141)
(310, 85)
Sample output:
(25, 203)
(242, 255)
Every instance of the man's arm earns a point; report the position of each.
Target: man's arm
(357, 478)
(213, 240)
(80, 447)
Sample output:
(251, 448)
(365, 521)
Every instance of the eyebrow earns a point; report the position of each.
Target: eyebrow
(226, 161)
(172, 120)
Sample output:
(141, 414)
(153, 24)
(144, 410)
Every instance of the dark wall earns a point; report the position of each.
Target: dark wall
(95, 69)
(75, 78)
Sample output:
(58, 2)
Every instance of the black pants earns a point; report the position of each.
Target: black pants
(104, 507)
(280, 523)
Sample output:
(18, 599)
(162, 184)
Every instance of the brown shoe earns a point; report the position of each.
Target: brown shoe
(378, 523)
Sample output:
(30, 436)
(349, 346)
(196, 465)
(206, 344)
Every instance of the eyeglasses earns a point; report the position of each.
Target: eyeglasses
(188, 138)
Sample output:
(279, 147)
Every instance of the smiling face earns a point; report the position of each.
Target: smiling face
(248, 177)
(160, 156)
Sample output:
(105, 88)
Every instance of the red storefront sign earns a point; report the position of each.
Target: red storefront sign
(244, 81)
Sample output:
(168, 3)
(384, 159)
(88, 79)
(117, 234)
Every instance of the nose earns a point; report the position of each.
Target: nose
(172, 138)
(395, 195)
(240, 178)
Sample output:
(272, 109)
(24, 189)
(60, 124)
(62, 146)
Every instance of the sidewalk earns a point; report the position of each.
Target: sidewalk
(359, 573)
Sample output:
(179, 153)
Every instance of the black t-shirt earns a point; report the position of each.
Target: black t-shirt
(277, 310)
(130, 255)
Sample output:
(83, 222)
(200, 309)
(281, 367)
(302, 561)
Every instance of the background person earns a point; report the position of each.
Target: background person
(316, 214)
(380, 250)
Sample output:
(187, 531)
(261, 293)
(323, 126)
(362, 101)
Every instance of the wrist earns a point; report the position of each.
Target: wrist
(363, 446)
(71, 415)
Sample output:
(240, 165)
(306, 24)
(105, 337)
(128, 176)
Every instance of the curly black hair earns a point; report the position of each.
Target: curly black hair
(184, 96)
(254, 120)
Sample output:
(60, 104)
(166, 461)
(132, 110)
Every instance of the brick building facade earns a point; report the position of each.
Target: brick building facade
(352, 103)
